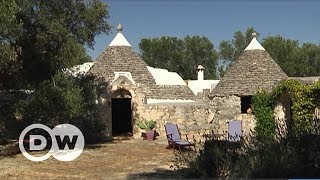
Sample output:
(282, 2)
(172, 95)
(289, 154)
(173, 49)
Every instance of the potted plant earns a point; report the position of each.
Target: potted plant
(148, 126)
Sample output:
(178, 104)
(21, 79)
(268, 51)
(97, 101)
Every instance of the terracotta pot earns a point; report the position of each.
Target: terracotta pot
(150, 135)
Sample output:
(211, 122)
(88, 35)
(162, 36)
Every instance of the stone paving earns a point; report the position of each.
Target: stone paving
(120, 159)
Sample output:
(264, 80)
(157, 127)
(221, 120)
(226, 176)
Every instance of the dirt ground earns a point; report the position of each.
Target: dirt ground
(120, 159)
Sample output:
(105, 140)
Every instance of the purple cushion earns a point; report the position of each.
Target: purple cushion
(234, 130)
(172, 131)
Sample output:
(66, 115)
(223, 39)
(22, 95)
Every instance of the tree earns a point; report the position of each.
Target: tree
(165, 52)
(295, 60)
(284, 52)
(53, 37)
(38, 40)
(65, 99)
(180, 55)
(199, 50)
(10, 29)
(310, 54)
(61, 99)
(229, 51)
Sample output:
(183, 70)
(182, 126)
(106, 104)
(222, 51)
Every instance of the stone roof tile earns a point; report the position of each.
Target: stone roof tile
(124, 59)
(252, 71)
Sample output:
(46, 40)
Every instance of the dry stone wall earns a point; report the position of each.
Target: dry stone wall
(9, 149)
(191, 118)
(104, 110)
(248, 122)
(196, 118)
(224, 109)
(282, 113)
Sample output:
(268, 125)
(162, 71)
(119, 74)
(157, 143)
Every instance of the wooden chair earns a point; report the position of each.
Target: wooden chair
(174, 137)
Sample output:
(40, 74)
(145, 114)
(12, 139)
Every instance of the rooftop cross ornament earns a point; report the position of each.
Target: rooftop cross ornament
(254, 34)
(119, 28)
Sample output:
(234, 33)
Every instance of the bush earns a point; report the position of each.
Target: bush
(304, 99)
(263, 109)
(11, 113)
(146, 124)
(289, 157)
(211, 159)
(66, 99)
(55, 102)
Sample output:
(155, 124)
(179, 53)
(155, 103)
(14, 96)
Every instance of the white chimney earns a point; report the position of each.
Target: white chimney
(200, 71)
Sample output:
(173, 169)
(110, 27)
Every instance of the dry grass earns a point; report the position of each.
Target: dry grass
(118, 159)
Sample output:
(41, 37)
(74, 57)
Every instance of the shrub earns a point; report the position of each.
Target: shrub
(211, 159)
(11, 110)
(288, 157)
(146, 124)
(263, 109)
(55, 102)
(304, 99)
(66, 99)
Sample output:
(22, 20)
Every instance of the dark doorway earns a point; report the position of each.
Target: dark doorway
(246, 102)
(121, 116)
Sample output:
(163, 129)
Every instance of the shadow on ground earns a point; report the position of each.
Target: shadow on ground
(104, 143)
(161, 174)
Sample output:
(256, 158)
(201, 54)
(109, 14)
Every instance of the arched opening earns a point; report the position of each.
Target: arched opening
(121, 113)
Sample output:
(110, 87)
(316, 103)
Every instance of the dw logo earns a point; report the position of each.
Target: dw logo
(67, 142)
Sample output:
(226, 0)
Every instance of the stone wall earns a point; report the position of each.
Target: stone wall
(104, 109)
(193, 118)
(248, 122)
(9, 149)
(199, 118)
(224, 109)
(190, 117)
(282, 113)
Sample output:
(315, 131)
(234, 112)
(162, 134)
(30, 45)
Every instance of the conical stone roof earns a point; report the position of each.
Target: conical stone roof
(119, 57)
(252, 71)
(122, 59)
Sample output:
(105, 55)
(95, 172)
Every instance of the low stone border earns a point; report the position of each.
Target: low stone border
(9, 149)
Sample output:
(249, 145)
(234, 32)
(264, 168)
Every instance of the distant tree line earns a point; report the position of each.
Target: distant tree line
(180, 55)
(183, 55)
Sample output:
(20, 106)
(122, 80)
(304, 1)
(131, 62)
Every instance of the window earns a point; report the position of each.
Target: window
(246, 104)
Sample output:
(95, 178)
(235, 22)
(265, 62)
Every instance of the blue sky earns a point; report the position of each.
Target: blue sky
(217, 20)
